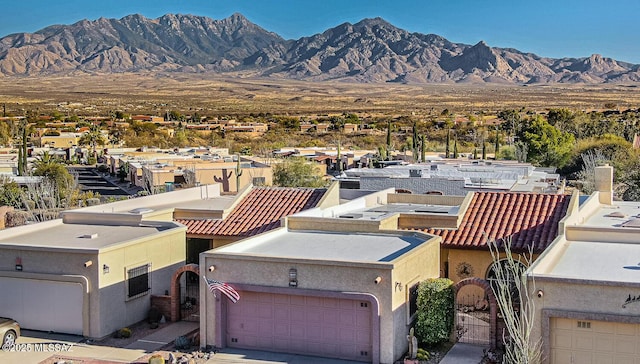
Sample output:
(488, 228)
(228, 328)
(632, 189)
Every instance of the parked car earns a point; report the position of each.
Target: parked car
(9, 331)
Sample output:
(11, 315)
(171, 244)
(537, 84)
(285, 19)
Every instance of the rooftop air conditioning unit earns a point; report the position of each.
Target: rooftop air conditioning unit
(415, 173)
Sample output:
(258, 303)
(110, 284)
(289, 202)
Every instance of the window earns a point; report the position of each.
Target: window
(413, 301)
(259, 181)
(138, 281)
(509, 275)
(584, 324)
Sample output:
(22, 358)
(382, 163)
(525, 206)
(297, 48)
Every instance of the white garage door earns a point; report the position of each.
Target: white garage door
(594, 342)
(42, 305)
(327, 327)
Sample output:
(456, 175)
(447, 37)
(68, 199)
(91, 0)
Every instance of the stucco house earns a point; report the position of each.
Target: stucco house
(329, 287)
(587, 283)
(530, 220)
(257, 210)
(87, 274)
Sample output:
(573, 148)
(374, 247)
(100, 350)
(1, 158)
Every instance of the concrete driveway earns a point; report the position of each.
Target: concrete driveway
(37, 347)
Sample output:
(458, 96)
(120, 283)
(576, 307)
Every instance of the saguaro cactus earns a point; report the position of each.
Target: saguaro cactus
(413, 345)
(238, 174)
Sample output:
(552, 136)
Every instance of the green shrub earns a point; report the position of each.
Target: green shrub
(154, 315)
(435, 311)
(103, 168)
(156, 359)
(125, 332)
(182, 343)
(423, 355)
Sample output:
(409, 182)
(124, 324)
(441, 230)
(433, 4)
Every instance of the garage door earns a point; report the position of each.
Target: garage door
(327, 327)
(43, 305)
(594, 342)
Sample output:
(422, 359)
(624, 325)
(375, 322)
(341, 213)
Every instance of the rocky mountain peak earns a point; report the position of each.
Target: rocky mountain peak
(371, 50)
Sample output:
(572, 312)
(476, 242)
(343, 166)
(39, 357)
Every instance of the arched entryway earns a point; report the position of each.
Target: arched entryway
(467, 321)
(178, 299)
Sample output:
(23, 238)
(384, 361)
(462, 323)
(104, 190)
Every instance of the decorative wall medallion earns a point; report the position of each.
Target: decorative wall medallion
(464, 270)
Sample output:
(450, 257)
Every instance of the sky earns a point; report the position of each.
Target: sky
(548, 28)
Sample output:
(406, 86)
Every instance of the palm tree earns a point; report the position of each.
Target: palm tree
(93, 137)
(44, 160)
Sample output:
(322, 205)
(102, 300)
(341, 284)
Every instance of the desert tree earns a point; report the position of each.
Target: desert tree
(546, 145)
(93, 137)
(297, 172)
(455, 148)
(587, 175)
(446, 150)
(388, 134)
(190, 177)
(521, 150)
(514, 295)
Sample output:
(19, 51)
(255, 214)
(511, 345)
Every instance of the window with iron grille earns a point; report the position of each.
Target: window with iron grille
(138, 281)
(413, 301)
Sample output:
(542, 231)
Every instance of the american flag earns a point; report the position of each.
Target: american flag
(226, 289)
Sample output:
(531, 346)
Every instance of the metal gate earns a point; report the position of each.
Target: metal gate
(472, 319)
(189, 296)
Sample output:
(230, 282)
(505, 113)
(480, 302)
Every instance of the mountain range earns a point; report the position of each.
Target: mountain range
(371, 50)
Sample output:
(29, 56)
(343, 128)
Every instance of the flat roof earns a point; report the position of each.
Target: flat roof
(57, 235)
(335, 246)
(596, 261)
(613, 215)
(380, 212)
(205, 198)
(606, 249)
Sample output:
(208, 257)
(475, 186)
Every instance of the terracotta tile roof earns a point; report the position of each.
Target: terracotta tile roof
(529, 218)
(200, 227)
(259, 211)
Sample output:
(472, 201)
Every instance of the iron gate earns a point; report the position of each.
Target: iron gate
(472, 319)
(189, 296)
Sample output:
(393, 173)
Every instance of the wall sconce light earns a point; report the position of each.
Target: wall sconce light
(293, 277)
(377, 280)
(398, 286)
(105, 269)
(212, 268)
(88, 263)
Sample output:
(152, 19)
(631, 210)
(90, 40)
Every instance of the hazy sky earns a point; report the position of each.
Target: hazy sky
(548, 28)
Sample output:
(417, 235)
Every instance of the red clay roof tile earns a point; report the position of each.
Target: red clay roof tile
(259, 211)
(529, 218)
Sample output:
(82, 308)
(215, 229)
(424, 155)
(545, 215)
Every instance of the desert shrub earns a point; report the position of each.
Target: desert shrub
(182, 342)
(423, 354)
(125, 332)
(103, 168)
(154, 315)
(156, 359)
(435, 311)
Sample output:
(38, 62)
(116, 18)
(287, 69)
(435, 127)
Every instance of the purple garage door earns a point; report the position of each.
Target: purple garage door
(327, 327)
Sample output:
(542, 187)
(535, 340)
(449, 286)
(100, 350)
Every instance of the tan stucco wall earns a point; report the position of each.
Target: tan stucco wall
(408, 270)
(60, 141)
(572, 299)
(479, 260)
(419, 264)
(341, 224)
(107, 308)
(54, 265)
(225, 174)
(166, 252)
